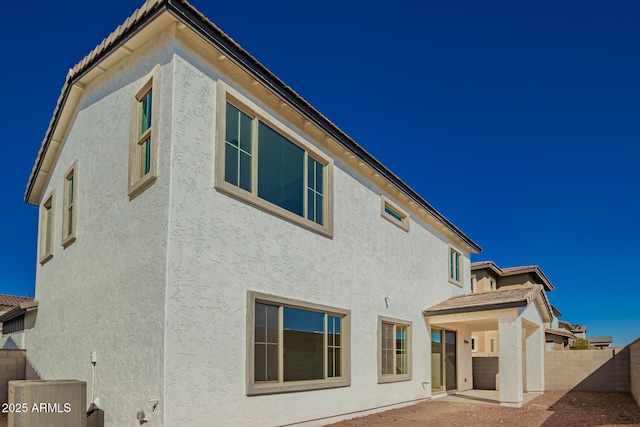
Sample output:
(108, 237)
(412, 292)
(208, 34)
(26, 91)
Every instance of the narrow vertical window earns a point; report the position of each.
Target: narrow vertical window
(394, 351)
(69, 212)
(238, 141)
(144, 138)
(315, 196)
(46, 228)
(266, 343)
(455, 266)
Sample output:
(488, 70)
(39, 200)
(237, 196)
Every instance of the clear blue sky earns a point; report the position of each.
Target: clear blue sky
(520, 123)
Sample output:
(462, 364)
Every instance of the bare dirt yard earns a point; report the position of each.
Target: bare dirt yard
(552, 409)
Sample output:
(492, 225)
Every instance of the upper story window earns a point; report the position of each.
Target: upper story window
(394, 214)
(295, 346)
(262, 162)
(492, 285)
(143, 149)
(70, 202)
(455, 266)
(46, 228)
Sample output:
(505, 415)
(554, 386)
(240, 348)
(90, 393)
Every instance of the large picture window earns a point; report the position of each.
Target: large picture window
(262, 162)
(394, 350)
(295, 345)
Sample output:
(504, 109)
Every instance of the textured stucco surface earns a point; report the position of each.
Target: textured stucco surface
(220, 247)
(157, 285)
(105, 292)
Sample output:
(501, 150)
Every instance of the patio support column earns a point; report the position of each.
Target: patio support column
(535, 359)
(510, 359)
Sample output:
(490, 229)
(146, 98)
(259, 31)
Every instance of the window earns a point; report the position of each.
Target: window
(492, 285)
(394, 214)
(46, 228)
(394, 350)
(474, 344)
(70, 203)
(143, 150)
(295, 345)
(492, 345)
(455, 266)
(262, 162)
(13, 326)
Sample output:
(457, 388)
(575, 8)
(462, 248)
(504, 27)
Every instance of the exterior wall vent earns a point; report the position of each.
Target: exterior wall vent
(60, 403)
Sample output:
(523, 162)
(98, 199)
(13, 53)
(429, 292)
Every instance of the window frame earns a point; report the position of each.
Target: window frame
(228, 94)
(460, 266)
(385, 203)
(474, 344)
(69, 221)
(47, 226)
(493, 345)
(392, 378)
(254, 389)
(139, 181)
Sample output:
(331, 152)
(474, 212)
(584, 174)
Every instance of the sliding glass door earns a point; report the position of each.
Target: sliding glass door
(443, 360)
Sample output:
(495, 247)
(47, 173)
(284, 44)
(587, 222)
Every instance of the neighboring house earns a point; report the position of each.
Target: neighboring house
(214, 249)
(600, 342)
(16, 315)
(486, 276)
(558, 334)
(580, 331)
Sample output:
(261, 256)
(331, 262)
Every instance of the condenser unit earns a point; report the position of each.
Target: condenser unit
(59, 403)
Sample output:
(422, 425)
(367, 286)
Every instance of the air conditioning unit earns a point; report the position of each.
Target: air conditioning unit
(59, 403)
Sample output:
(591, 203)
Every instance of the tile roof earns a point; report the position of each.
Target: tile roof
(600, 340)
(510, 271)
(190, 16)
(12, 300)
(504, 297)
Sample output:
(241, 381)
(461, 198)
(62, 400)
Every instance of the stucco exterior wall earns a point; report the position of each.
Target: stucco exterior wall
(219, 248)
(104, 293)
(634, 353)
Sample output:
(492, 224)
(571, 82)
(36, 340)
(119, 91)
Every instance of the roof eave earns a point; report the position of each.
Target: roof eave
(470, 309)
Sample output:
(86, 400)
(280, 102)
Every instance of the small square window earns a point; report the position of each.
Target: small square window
(455, 266)
(47, 221)
(69, 212)
(143, 151)
(394, 350)
(393, 213)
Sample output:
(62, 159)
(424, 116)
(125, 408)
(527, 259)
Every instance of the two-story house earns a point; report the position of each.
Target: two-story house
(213, 250)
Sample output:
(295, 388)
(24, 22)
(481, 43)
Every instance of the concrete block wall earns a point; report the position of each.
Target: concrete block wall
(485, 373)
(606, 370)
(634, 353)
(12, 367)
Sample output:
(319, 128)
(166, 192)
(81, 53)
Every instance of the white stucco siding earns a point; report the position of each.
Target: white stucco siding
(220, 247)
(105, 292)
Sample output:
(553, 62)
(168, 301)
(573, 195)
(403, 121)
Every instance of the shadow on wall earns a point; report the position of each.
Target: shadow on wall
(601, 395)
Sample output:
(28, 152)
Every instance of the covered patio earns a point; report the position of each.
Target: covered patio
(518, 313)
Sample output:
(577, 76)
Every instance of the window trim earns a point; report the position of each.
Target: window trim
(228, 94)
(392, 378)
(386, 202)
(460, 281)
(69, 235)
(47, 226)
(293, 386)
(137, 182)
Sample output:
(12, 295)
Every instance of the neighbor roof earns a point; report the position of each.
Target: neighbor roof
(506, 297)
(192, 18)
(12, 300)
(560, 333)
(512, 271)
(600, 340)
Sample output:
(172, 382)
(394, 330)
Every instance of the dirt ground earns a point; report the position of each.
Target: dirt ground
(552, 409)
